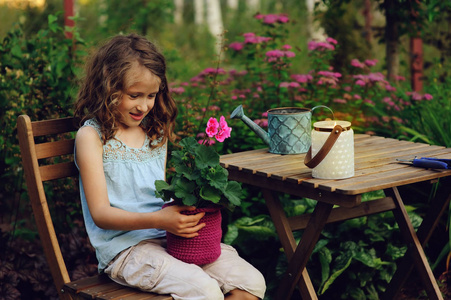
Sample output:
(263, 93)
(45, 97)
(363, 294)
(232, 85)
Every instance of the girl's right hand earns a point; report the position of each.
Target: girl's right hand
(173, 221)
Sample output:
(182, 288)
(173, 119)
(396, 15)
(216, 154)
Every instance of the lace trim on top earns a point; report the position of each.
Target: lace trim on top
(116, 150)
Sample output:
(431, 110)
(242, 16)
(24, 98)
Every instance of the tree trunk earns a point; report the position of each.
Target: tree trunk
(368, 20)
(214, 21)
(391, 40)
(253, 5)
(314, 29)
(232, 4)
(199, 12)
(68, 13)
(178, 12)
(416, 56)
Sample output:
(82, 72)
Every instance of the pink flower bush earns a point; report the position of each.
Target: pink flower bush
(273, 18)
(320, 46)
(302, 78)
(177, 90)
(356, 63)
(237, 46)
(252, 38)
(275, 55)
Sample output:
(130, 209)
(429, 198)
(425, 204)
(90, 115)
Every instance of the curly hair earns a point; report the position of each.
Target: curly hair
(106, 79)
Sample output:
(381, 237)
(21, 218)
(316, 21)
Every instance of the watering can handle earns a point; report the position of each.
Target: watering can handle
(313, 162)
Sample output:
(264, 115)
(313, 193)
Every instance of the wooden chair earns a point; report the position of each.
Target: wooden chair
(96, 287)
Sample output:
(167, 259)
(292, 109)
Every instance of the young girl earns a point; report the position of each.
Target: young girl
(127, 116)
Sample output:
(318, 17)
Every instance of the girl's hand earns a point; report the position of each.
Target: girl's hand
(173, 221)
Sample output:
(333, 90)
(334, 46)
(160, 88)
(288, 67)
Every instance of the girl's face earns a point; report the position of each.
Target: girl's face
(139, 98)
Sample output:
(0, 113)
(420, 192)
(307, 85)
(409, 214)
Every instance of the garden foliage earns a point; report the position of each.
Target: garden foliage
(37, 76)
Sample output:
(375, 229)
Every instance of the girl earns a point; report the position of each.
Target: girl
(127, 116)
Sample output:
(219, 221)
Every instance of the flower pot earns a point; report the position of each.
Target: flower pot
(204, 248)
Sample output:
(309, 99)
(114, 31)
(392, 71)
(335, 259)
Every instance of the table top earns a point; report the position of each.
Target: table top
(376, 167)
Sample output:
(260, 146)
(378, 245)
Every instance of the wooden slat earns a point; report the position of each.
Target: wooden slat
(94, 291)
(54, 126)
(40, 207)
(57, 171)
(102, 287)
(342, 213)
(122, 293)
(75, 286)
(145, 296)
(57, 148)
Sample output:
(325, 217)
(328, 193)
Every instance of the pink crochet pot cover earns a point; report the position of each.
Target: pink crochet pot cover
(204, 248)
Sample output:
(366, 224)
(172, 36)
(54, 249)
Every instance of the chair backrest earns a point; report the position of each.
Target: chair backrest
(36, 174)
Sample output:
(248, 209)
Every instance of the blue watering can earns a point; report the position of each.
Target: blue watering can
(289, 128)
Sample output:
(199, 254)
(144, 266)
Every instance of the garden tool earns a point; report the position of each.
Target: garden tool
(428, 162)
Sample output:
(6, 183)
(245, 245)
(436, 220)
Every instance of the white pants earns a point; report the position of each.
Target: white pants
(149, 267)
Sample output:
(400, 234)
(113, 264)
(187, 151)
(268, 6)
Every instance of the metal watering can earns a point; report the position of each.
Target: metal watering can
(289, 128)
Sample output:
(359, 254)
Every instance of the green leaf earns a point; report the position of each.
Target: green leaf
(325, 258)
(259, 227)
(161, 185)
(233, 192)
(210, 193)
(184, 190)
(334, 276)
(189, 143)
(217, 177)
(231, 235)
(206, 157)
(53, 26)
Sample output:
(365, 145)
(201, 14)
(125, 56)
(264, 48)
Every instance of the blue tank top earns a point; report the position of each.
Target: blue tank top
(130, 175)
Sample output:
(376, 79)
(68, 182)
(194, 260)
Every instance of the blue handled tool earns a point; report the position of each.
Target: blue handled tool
(429, 162)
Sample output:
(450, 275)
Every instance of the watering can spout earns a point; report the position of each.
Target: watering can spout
(238, 113)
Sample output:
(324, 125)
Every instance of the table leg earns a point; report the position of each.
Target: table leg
(414, 246)
(438, 207)
(298, 262)
(287, 240)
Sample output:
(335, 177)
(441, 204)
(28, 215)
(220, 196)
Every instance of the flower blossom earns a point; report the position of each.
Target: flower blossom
(251, 38)
(219, 130)
(328, 77)
(362, 79)
(177, 90)
(302, 78)
(289, 84)
(320, 46)
(237, 46)
(212, 127)
(428, 97)
(273, 18)
(331, 41)
(223, 131)
(356, 63)
(370, 62)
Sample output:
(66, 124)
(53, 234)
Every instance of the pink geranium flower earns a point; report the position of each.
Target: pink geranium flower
(223, 131)
(212, 127)
(219, 130)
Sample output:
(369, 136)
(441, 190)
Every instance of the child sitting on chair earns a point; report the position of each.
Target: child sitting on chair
(127, 116)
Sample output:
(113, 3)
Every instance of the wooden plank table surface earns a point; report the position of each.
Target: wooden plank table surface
(376, 168)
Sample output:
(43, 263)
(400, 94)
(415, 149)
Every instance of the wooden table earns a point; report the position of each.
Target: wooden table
(376, 168)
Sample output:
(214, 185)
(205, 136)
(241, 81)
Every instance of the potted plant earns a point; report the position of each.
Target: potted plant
(199, 180)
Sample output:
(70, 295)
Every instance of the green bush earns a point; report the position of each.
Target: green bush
(37, 77)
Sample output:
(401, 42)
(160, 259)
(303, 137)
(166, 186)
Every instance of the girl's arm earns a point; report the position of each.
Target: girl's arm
(89, 159)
